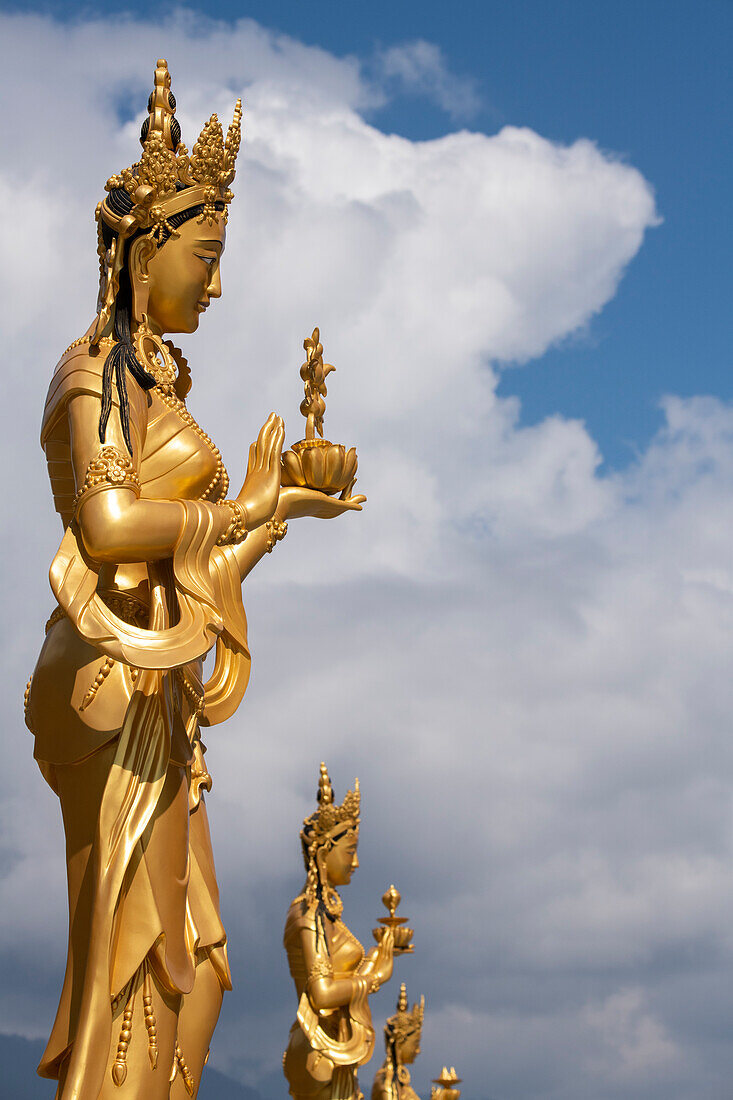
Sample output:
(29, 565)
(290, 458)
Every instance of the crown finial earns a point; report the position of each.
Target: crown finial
(325, 790)
(402, 1001)
(161, 110)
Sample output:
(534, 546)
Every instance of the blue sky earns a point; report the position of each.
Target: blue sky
(649, 81)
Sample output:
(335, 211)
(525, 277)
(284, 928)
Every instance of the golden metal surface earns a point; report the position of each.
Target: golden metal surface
(444, 1087)
(333, 1034)
(315, 462)
(402, 936)
(402, 1044)
(148, 579)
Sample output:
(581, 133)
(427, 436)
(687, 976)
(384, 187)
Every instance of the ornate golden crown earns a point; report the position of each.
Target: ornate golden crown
(329, 817)
(165, 181)
(406, 1020)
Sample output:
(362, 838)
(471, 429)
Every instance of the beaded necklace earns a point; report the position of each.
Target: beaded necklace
(151, 351)
(349, 935)
(221, 478)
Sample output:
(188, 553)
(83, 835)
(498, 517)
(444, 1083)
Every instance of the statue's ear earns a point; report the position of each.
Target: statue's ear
(141, 252)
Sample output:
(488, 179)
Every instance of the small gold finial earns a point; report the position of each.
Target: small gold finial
(161, 109)
(391, 900)
(325, 790)
(402, 1001)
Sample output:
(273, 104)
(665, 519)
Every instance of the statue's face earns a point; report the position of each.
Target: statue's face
(341, 861)
(410, 1048)
(183, 275)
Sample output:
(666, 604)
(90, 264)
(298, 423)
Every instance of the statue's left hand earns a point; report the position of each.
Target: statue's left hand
(260, 492)
(295, 502)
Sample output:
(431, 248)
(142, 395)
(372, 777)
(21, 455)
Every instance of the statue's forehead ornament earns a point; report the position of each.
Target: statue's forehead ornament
(165, 181)
(329, 818)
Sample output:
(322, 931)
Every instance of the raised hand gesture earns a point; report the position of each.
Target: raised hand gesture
(261, 489)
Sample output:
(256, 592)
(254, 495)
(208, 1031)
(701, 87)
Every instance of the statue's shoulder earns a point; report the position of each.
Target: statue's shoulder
(300, 915)
(82, 356)
(80, 370)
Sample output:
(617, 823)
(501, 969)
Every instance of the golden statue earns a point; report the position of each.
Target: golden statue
(444, 1087)
(402, 1042)
(333, 1034)
(148, 580)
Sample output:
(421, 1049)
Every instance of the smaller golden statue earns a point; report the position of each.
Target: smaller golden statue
(444, 1087)
(402, 1042)
(315, 462)
(402, 936)
(333, 1033)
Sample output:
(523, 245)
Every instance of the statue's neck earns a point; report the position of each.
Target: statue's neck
(394, 1061)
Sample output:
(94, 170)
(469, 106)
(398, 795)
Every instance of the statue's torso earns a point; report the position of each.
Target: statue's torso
(345, 951)
(175, 462)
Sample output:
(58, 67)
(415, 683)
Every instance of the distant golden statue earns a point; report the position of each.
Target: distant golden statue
(148, 580)
(333, 1034)
(402, 1042)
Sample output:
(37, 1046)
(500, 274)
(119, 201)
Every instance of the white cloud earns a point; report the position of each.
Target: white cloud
(522, 658)
(420, 67)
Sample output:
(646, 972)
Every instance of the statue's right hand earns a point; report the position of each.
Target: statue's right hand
(261, 489)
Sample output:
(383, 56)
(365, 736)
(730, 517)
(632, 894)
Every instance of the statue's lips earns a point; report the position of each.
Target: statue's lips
(201, 306)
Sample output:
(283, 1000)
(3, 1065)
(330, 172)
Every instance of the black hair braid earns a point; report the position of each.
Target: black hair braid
(123, 356)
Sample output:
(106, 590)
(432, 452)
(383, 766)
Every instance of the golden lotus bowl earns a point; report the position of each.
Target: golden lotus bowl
(403, 944)
(318, 464)
(402, 938)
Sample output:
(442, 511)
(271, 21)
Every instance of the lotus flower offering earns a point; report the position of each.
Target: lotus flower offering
(402, 936)
(315, 462)
(445, 1086)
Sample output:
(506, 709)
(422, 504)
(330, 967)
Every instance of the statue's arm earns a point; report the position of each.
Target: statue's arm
(324, 991)
(115, 525)
(293, 503)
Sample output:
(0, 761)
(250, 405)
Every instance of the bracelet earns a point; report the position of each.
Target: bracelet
(374, 984)
(237, 529)
(275, 532)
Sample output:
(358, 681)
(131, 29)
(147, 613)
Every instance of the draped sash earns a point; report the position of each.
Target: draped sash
(195, 603)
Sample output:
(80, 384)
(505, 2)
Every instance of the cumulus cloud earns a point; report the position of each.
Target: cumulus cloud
(522, 658)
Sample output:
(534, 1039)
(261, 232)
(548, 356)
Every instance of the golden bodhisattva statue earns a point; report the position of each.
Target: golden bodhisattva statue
(402, 1042)
(148, 580)
(333, 1034)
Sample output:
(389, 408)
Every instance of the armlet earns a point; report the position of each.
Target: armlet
(322, 968)
(109, 470)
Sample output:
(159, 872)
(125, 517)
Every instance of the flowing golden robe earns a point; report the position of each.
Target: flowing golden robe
(326, 1048)
(115, 707)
